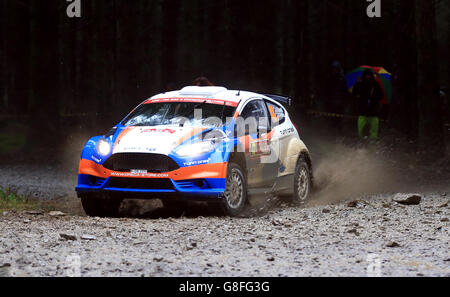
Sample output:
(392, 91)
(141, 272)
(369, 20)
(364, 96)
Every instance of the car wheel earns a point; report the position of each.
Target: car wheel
(302, 183)
(235, 195)
(101, 206)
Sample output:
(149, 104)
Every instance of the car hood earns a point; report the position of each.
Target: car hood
(157, 140)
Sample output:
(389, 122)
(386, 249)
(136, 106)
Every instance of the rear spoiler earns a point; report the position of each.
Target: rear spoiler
(280, 99)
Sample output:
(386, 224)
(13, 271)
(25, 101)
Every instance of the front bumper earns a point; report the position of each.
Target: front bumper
(200, 188)
(196, 182)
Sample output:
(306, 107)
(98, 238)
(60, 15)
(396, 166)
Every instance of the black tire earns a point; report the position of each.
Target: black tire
(302, 183)
(234, 199)
(103, 206)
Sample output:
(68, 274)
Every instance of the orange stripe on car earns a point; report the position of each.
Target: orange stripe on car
(123, 133)
(91, 168)
(190, 134)
(273, 114)
(216, 170)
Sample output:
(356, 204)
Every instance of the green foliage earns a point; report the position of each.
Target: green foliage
(11, 142)
(11, 201)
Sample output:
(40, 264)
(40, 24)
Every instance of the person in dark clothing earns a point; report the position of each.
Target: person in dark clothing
(170, 87)
(335, 89)
(368, 94)
(203, 82)
(333, 99)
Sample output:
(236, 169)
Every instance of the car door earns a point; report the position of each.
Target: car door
(256, 142)
(282, 134)
(276, 137)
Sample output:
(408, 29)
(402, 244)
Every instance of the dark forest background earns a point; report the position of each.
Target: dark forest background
(57, 70)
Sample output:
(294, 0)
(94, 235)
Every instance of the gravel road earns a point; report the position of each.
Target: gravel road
(378, 236)
(334, 240)
(43, 182)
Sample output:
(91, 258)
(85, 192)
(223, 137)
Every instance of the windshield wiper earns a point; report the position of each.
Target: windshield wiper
(191, 111)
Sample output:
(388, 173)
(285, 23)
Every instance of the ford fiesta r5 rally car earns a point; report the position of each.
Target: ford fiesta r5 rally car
(200, 143)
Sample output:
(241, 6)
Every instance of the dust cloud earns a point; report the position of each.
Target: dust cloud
(345, 173)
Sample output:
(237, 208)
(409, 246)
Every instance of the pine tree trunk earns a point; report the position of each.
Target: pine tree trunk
(4, 101)
(431, 137)
(302, 62)
(44, 121)
(170, 10)
(403, 113)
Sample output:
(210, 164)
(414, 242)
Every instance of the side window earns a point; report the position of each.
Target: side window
(277, 114)
(256, 109)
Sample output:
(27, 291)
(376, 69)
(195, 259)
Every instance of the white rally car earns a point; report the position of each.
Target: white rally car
(199, 143)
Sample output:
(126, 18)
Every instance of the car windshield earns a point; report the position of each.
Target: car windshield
(179, 113)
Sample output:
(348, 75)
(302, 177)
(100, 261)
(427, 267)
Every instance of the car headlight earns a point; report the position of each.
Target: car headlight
(195, 149)
(207, 144)
(103, 147)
